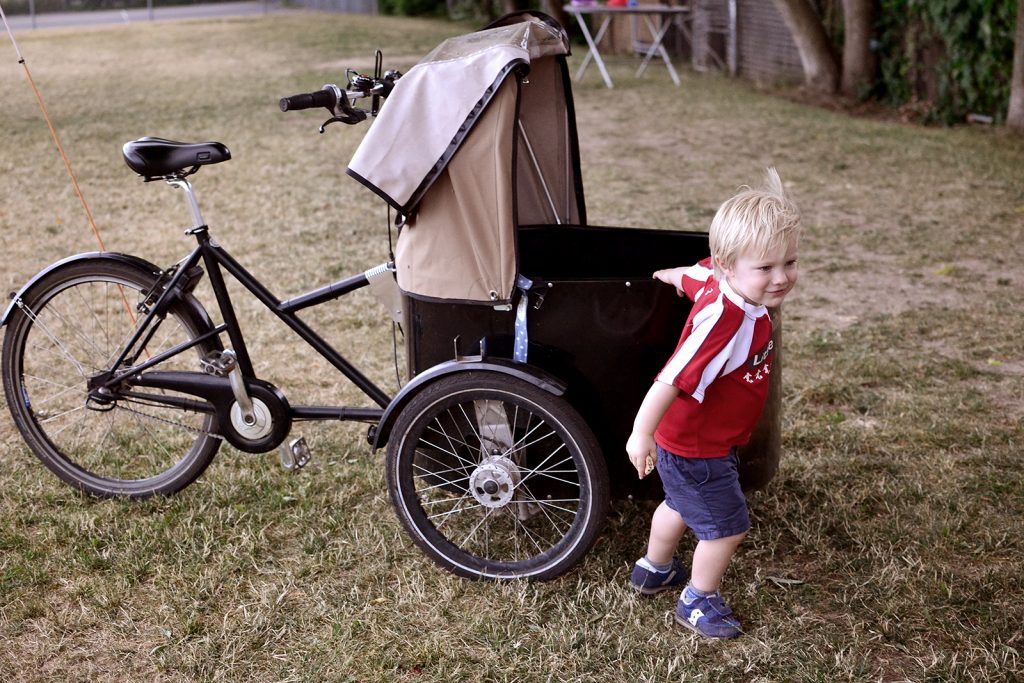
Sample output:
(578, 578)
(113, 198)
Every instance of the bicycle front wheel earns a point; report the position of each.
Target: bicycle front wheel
(495, 478)
(70, 326)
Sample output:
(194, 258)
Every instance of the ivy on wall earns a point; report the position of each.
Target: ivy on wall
(946, 59)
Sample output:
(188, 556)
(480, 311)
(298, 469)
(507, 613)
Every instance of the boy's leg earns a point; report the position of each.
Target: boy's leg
(711, 559)
(719, 518)
(659, 570)
(667, 529)
(701, 607)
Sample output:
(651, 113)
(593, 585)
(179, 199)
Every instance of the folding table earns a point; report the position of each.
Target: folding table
(668, 14)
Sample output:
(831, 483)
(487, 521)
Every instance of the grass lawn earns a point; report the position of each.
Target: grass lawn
(887, 548)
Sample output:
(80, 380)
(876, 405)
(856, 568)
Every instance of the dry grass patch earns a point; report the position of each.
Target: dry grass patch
(887, 548)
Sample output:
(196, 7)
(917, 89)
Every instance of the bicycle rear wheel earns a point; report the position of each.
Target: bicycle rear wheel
(73, 324)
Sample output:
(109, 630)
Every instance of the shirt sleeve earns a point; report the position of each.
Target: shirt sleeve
(703, 353)
(695, 278)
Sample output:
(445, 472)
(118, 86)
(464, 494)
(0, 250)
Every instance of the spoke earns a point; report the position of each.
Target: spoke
(64, 389)
(424, 453)
(441, 485)
(538, 475)
(60, 415)
(453, 442)
(56, 342)
(470, 422)
(492, 408)
(449, 513)
(157, 345)
(515, 421)
(472, 533)
(445, 501)
(526, 532)
(553, 521)
(104, 326)
(454, 449)
(438, 472)
(523, 446)
(43, 348)
(546, 504)
(531, 473)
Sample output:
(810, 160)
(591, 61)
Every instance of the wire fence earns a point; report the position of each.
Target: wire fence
(15, 7)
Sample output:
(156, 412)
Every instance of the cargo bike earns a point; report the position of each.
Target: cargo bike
(530, 336)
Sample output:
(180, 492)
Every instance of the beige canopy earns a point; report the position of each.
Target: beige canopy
(476, 140)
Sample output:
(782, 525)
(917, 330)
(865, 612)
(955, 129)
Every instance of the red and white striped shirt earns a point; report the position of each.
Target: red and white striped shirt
(721, 367)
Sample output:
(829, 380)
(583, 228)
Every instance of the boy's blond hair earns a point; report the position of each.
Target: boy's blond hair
(754, 221)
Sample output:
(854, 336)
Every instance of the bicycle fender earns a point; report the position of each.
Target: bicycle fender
(379, 434)
(114, 256)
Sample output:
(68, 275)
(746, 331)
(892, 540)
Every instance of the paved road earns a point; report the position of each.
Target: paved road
(23, 22)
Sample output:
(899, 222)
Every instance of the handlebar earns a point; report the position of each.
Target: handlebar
(340, 101)
(327, 98)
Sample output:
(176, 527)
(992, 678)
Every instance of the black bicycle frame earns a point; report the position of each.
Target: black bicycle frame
(214, 257)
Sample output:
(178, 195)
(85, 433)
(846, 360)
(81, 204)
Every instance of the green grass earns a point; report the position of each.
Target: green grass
(888, 547)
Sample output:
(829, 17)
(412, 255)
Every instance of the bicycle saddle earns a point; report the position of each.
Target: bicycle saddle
(156, 157)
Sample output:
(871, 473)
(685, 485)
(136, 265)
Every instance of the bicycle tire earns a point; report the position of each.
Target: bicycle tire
(70, 325)
(495, 478)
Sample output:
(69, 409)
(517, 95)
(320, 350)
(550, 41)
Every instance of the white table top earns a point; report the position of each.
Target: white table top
(636, 9)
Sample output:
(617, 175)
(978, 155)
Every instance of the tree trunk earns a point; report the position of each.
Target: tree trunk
(514, 5)
(1015, 115)
(821, 73)
(858, 61)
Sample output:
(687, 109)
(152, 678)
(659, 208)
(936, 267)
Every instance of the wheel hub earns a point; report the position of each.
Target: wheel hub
(493, 483)
(261, 425)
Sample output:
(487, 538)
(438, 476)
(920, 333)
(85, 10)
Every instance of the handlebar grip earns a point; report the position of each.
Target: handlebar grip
(320, 98)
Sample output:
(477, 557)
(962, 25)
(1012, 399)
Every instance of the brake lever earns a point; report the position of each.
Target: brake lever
(348, 114)
(333, 119)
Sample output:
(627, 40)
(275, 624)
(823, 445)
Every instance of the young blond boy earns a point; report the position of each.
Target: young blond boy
(706, 400)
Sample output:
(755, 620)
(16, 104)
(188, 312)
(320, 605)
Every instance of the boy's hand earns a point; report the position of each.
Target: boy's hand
(671, 276)
(642, 453)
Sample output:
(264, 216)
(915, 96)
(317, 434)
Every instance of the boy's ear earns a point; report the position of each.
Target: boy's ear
(721, 266)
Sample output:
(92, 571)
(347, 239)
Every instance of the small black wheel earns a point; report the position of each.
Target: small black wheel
(68, 327)
(495, 478)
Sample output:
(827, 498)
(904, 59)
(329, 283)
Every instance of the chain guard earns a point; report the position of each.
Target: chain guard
(217, 391)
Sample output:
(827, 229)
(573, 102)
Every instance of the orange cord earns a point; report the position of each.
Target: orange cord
(63, 156)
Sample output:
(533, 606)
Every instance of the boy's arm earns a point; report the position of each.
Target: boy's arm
(672, 276)
(641, 444)
(689, 281)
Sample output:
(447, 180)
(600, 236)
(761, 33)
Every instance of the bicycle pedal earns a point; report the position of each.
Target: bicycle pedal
(295, 455)
(218, 363)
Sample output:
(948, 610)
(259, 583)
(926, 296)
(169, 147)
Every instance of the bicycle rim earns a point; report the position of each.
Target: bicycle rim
(73, 326)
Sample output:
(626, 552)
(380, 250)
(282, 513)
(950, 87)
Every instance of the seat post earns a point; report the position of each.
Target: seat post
(190, 197)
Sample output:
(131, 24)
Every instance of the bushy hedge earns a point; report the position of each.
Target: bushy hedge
(413, 8)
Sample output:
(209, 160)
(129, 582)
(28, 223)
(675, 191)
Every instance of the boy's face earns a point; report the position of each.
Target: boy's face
(764, 279)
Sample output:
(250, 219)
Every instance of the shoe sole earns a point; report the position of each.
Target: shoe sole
(649, 592)
(687, 624)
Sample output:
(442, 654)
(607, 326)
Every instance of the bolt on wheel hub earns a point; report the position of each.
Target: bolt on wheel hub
(493, 483)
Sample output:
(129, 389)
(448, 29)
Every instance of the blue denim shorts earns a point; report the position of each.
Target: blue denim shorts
(706, 493)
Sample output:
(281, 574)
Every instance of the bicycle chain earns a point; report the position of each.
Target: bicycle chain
(171, 422)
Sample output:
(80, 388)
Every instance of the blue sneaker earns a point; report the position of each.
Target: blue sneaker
(647, 580)
(707, 615)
